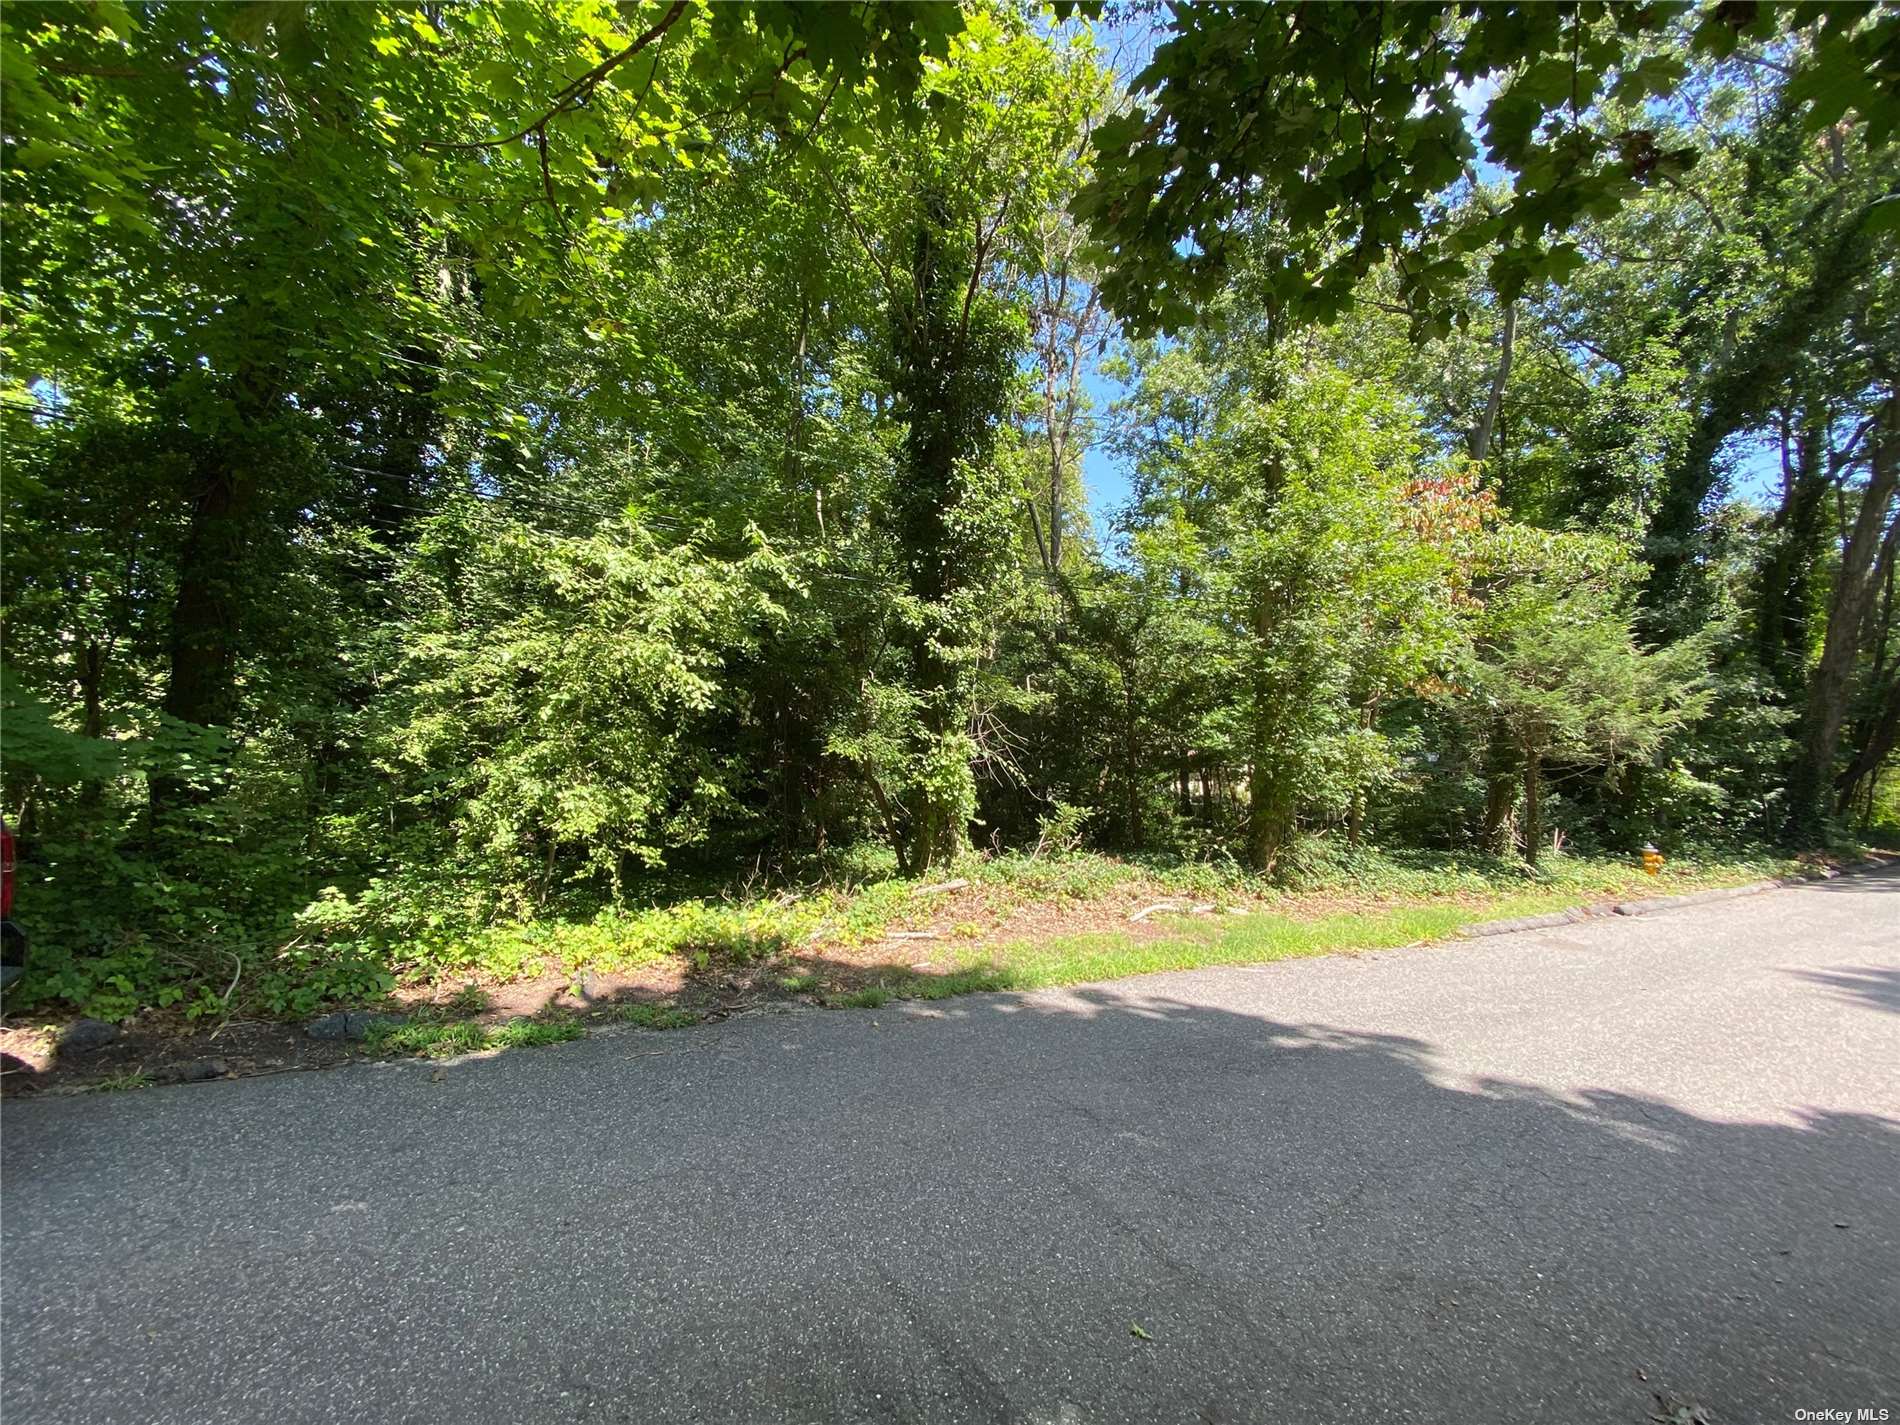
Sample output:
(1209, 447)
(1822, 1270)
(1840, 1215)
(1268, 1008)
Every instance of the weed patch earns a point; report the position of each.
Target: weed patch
(442, 1039)
(656, 1016)
(123, 1083)
(468, 1001)
(870, 997)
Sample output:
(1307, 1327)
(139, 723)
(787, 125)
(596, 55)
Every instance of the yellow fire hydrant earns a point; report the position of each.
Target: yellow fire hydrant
(1652, 859)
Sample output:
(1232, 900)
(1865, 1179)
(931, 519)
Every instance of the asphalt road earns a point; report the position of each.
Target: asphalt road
(1628, 1168)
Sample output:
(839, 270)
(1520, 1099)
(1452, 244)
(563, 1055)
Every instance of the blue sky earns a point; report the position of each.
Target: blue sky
(1105, 475)
(1129, 42)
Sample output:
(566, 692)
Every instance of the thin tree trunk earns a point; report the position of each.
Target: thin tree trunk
(1739, 390)
(1533, 804)
(1270, 803)
(1042, 547)
(1854, 591)
(1782, 622)
(1488, 423)
(89, 666)
(1880, 734)
(1055, 502)
(1272, 808)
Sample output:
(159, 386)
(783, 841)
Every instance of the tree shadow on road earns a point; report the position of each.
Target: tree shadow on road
(1877, 986)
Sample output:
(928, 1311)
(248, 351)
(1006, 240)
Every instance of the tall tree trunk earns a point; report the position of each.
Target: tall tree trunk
(201, 687)
(1055, 502)
(1739, 391)
(1877, 733)
(1879, 736)
(1271, 811)
(1533, 804)
(203, 651)
(1068, 317)
(1854, 590)
(1488, 423)
(1783, 618)
(950, 390)
(1272, 807)
(89, 669)
(1131, 778)
(1270, 801)
(1500, 791)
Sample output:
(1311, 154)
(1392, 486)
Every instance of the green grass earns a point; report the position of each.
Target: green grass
(1402, 897)
(1261, 938)
(656, 1016)
(442, 1039)
(1396, 898)
(527, 1033)
(123, 1083)
(618, 939)
(1249, 940)
(871, 997)
(1115, 955)
(707, 932)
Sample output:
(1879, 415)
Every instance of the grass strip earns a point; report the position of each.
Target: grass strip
(1200, 943)
(442, 1039)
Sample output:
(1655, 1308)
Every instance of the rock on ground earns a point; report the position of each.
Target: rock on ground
(348, 1024)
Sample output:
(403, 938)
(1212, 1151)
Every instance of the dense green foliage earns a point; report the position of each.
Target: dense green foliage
(507, 464)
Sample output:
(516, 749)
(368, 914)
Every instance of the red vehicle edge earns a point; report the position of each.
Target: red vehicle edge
(12, 939)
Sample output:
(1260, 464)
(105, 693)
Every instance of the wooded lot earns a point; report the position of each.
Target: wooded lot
(494, 462)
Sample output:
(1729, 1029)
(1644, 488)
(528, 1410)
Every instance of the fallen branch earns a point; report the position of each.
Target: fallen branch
(910, 935)
(956, 885)
(1184, 907)
(236, 975)
(1158, 906)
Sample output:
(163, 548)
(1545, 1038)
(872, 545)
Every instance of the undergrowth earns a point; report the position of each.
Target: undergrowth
(341, 954)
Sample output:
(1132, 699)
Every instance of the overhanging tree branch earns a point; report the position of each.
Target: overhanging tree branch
(577, 91)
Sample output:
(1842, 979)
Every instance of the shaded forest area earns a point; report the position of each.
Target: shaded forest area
(506, 461)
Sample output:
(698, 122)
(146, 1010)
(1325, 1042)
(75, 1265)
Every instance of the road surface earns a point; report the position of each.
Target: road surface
(1632, 1168)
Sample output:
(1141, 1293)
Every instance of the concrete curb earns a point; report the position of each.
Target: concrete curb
(1528, 922)
(1661, 903)
(1724, 893)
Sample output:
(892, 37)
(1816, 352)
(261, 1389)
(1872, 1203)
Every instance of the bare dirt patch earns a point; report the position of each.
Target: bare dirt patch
(159, 1047)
